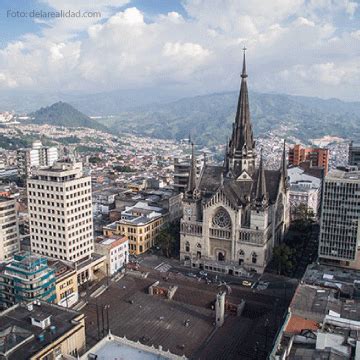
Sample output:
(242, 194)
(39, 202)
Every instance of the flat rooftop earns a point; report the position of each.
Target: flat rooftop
(344, 175)
(154, 320)
(315, 303)
(343, 280)
(102, 240)
(16, 320)
(112, 347)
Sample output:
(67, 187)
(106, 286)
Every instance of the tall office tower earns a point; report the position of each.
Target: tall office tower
(9, 229)
(36, 157)
(354, 154)
(60, 212)
(317, 157)
(340, 219)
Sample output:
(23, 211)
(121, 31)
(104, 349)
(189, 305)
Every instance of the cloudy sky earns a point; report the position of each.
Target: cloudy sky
(303, 47)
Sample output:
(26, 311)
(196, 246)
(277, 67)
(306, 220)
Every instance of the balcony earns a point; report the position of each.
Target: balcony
(255, 237)
(220, 233)
(191, 228)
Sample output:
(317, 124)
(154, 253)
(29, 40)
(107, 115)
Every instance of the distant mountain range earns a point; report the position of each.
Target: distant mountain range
(207, 118)
(63, 114)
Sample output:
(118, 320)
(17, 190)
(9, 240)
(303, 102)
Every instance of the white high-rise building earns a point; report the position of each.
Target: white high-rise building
(339, 241)
(60, 212)
(36, 157)
(9, 229)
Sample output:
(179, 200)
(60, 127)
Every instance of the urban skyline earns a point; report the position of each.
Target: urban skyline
(137, 226)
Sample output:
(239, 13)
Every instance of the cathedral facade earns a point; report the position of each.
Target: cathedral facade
(236, 213)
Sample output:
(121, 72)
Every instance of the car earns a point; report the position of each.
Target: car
(203, 273)
(190, 274)
(246, 283)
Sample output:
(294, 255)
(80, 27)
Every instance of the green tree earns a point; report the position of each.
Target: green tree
(303, 218)
(168, 239)
(123, 168)
(94, 160)
(283, 258)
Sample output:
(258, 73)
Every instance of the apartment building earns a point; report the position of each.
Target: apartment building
(27, 277)
(339, 241)
(9, 229)
(35, 157)
(305, 189)
(140, 223)
(60, 212)
(318, 157)
(116, 250)
(66, 283)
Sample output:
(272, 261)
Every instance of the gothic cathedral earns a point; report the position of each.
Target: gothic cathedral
(235, 214)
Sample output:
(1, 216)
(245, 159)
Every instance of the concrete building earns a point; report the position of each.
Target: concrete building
(60, 212)
(116, 250)
(122, 348)
(339, 241)
(182, 168)
(66, 284)
(9, 229)
(104, 200)
(318, 157)
(236, 213)
(304, 189)
(41, 331)
(27, 278)
(36, 157)
(166, 198)
(354, 154)
(140, 223)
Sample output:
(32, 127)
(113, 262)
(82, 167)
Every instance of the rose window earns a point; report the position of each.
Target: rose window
(222, 219)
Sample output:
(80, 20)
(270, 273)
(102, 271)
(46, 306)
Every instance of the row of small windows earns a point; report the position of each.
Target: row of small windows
(76, 256)
(60, 197)
(57, 188)
(35, 210)
(57, 204)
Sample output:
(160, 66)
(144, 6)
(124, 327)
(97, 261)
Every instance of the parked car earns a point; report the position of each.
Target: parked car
(203, 273)
(190, 274)
(246, 283)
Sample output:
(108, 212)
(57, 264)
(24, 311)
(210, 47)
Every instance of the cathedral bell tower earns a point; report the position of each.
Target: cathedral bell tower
(191, 197)
(240, 154)
(259, 208)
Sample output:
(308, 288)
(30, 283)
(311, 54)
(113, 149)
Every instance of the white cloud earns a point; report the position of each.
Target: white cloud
(291, 48)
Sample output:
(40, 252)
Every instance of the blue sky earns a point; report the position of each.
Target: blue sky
(303, 47)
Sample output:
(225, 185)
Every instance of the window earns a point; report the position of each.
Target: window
(187, 247)
(254, 258)
(222, 219)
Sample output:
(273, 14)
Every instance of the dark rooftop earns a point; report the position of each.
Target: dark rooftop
(25, 336)
(154, 320)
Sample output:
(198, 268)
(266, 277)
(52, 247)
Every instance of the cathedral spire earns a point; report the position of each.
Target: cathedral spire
(226, 157)
(283, 167)
(242, 145)
(243, 73)
(243, 131)
(192, 172)
(261, 184)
